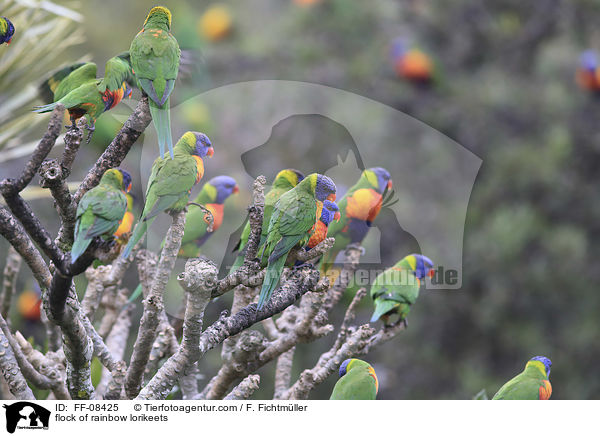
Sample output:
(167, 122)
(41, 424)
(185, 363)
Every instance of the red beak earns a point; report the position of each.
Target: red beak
(331, 197)
(8, 42)
(389, 185)
(236, 189)
(431, 273)
(337, 216)
(210, 151)
(129, 187)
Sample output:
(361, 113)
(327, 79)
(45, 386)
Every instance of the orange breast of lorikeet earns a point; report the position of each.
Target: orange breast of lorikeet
(199, 168)
(217, 213)
(28, 305)
(113, 98)
(364, 205)
(372, 374)
(125, 224)
(545, 390)
(414, 65)
(319, 234)
(587, 79)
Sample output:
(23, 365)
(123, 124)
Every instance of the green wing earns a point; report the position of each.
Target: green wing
(293, 217)
(48, 87)
(85, 73)
(357, 384)
(98, 213)
(155, 60)
(117, 71)
(521, 387)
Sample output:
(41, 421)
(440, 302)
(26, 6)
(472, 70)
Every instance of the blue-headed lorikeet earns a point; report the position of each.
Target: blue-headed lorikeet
(84, 95)
(100, 210)
(411, 63)
(294, 215)
(212, 196)
(171, 181)
(588, 74)
(358, 381)
(7, 30)
(358, 208)
(155, 60)
(532, 384)
(397, 288)
(284, 181)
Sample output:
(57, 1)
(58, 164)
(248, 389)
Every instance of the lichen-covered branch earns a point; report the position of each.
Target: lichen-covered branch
(283, 373)
(49, 365)
(14, 233)
(245, 389)
(14, 186)
(153, 306)
(53, 178)
(119, 147)
(11, 372)
(111, 382)
(9, 280)
(197, 275)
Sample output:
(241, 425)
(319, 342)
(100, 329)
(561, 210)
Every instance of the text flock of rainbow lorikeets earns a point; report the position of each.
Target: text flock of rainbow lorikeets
(299, 211)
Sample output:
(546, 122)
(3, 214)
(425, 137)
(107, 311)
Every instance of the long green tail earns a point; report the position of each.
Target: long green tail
(162, 123)
(271, 279)
(80, 244)
(45, 108)
(138, 233)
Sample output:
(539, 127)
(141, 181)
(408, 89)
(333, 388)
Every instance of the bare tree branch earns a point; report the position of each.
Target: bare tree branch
(245, 389)
(153, 305)
(11, 372)
(119, 147)
(9, 280)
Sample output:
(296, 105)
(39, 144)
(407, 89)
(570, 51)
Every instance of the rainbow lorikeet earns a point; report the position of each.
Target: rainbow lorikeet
(588, 74)
(326, 213)
(7, 30)
(358, 381)
(532, 384)
(212, 196)
(171, 181)
(155, 60)
(397, 288)
(284, 181)
(411, 63)
(85, 95)
(126, 223)
(100, 210)
(294, 215)
(359, 207)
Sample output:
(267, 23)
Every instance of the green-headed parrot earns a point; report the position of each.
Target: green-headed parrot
(7, 30)
(397, 288)
(359, 207)
(294, 215)
(532, 384)
(85, 95)
(155, 60)
(358, 381)
(212, 196)
(171, 181)
(100, 210)
(284, 181)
